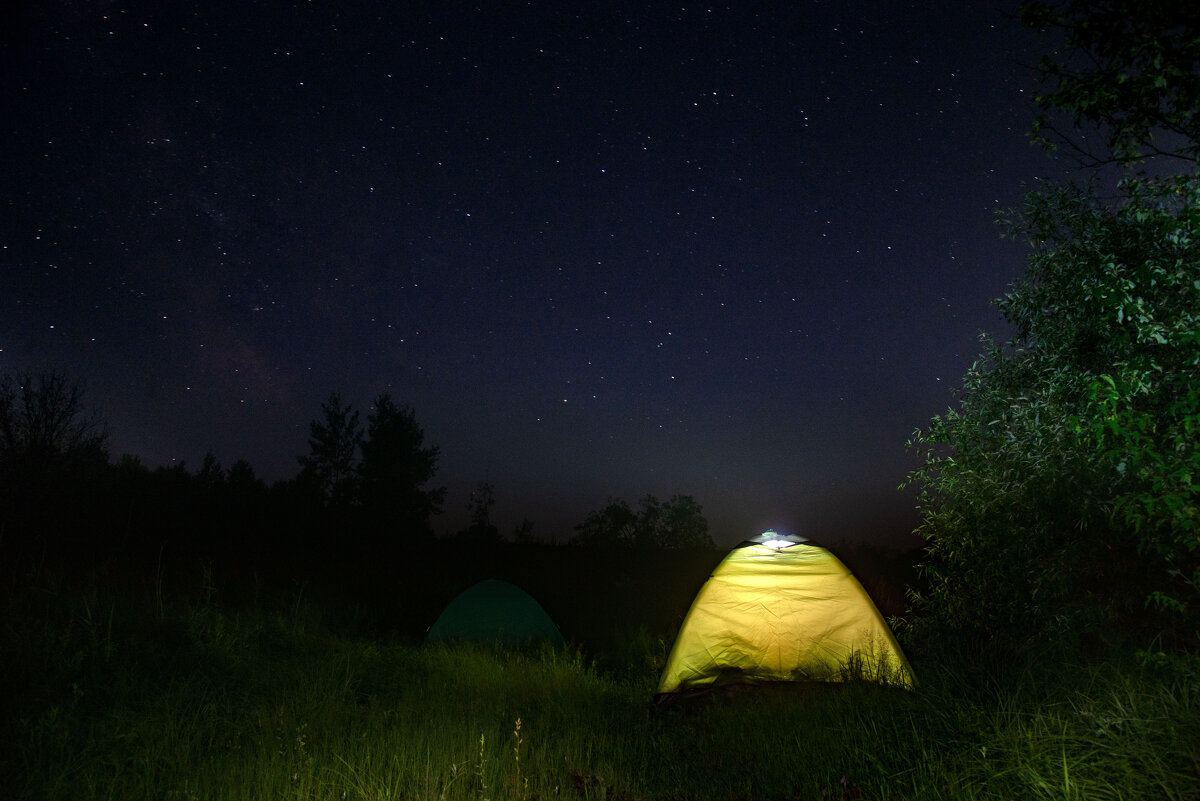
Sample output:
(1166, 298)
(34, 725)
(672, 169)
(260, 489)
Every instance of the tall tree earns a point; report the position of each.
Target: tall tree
(1061, 492)
(330, 467)
(210, 478)
(52, 447)
(44, 418)
(395, 468)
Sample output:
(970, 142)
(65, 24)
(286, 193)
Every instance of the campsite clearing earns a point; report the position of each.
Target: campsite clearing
(124, 698)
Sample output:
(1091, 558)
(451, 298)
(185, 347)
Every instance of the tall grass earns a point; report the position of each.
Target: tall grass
(137, 696)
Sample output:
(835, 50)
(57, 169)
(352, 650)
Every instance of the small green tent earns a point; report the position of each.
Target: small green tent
(494, 611)
(779, 608)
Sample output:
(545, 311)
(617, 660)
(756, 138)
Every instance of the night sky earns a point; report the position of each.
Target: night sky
(602, 250)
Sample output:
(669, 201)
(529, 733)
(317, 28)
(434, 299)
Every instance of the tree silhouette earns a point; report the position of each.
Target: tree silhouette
(51, 447)
(683, 524)
(481, 531)
(523, 534)
(613, 526)
(242, 481)
(395, 469)
(210, 478)
(678, 523)
(329, 469)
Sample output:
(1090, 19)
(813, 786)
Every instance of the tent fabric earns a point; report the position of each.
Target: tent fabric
(782, 609)
(494, 611)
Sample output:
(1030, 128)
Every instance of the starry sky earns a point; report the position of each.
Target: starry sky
(738, 252)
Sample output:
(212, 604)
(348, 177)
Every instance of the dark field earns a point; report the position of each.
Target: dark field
(160, 680)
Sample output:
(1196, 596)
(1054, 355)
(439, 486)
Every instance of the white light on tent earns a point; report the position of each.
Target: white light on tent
(774, 541)
(779, 544)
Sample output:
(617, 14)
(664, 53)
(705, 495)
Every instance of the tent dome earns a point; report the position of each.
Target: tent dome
(780, 608)
(494, 611)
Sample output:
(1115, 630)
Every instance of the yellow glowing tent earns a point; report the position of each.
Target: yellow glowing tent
(779, 608)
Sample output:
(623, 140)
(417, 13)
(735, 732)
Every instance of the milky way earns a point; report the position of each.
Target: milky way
(734, 253)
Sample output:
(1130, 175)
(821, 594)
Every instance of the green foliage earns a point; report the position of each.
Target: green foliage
(678, 523)
(1061, 490)
(1142, 414)
(1060, 495)
(1130, 68)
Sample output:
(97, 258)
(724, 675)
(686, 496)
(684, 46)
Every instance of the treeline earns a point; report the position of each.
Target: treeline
(362, 492)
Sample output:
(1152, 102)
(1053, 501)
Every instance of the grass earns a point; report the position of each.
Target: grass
(135, 695)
